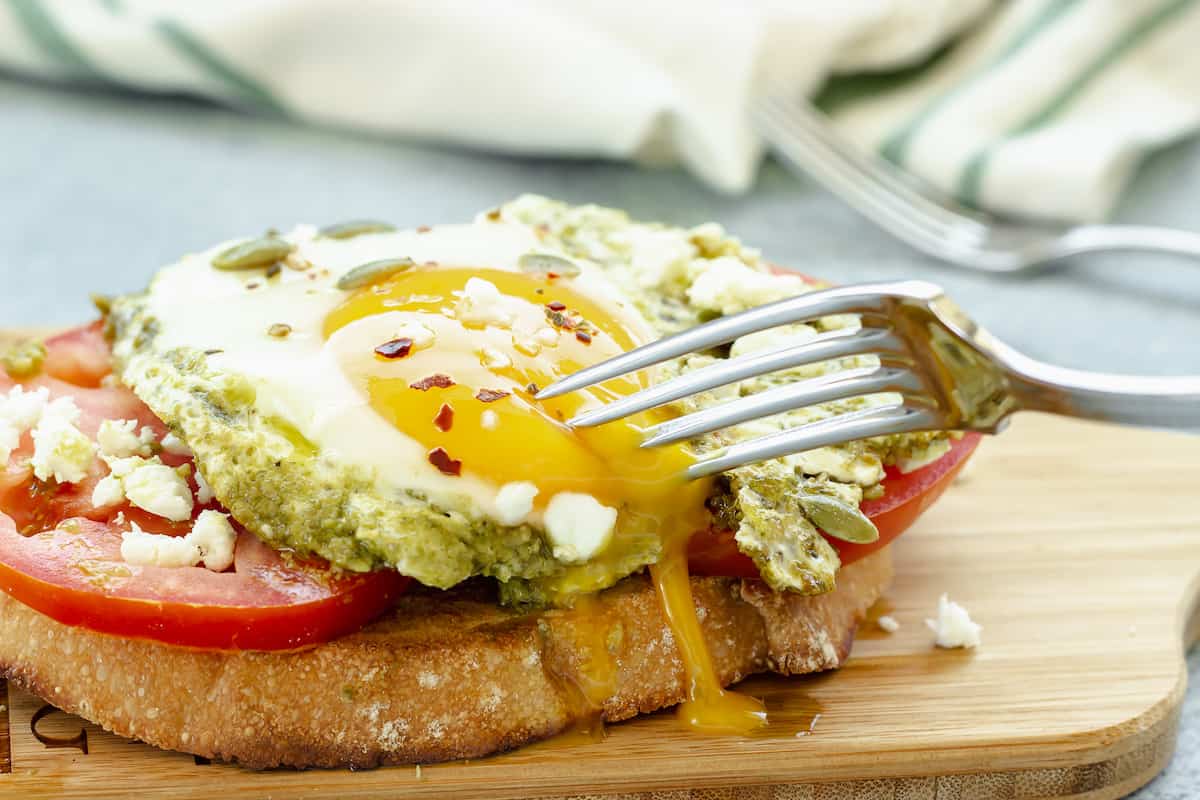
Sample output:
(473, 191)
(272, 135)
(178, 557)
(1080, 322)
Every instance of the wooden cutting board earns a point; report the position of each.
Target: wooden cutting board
(1077, 546)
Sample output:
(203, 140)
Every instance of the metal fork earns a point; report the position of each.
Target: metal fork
(950, 374)
(926, 218)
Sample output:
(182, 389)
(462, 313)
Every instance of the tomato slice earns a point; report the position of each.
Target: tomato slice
(62, 556)
(906, 497)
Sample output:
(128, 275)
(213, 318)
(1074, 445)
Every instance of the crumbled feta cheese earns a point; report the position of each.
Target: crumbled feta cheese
(492, 358)
(420, 335)
(489, 419)
(120, 467)
(953, 626)
(216, 539)
(514, 501)
(60, 450)
(481, 303)
(118, 438)
(175, 446)
(772, 339)
(22, 409)
(923, 456)
(212, 540)
(156, 550)
(108, 492)
(547, 337)
(204, 492)
(728, 285)
(888, 623)
(527, 345)
(864, 469)
(578, 526)
(160, 490)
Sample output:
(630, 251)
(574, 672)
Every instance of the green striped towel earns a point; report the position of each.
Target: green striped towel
(1034, 107)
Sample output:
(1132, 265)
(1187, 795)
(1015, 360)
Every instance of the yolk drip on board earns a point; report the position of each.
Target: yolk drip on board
(460, 381)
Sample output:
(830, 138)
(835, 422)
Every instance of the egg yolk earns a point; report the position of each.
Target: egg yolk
(458, 371)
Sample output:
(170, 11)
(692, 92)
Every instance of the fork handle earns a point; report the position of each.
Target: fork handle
(1141, 238)
(1172, 402)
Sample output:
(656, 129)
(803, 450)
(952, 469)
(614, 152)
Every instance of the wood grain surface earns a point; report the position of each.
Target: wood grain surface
(1076, 546)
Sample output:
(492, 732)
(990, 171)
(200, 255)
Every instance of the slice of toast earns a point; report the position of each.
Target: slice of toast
(448, 675)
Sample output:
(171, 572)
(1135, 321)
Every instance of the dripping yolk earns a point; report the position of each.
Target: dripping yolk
(459, 357)
(456, 368)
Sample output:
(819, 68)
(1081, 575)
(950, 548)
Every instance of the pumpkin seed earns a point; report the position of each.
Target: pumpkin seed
(838, 519)
(252, 254)
(542, 263)
(23, 359)
(373, 271)
(355, 227)
(279, 330)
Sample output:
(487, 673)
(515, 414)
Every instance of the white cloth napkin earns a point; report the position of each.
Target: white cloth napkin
(1042, 110)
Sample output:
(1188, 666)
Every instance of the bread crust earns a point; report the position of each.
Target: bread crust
(448, 675)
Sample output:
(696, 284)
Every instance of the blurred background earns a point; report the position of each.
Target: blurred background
(133, 132)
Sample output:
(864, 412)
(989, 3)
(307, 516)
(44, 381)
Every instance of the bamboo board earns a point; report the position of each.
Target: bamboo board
(1077, 546)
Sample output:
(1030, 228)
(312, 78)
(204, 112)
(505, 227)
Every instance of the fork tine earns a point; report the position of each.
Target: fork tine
(880, 421)
(825, 347)
(854, 299)
(802, 394)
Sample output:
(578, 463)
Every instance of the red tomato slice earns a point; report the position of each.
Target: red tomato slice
(905, 498)
(62, 556)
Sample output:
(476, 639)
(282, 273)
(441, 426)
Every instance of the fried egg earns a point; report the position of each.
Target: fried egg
(415, 386)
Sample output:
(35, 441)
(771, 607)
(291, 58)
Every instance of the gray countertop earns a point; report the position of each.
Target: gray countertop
(98, 190)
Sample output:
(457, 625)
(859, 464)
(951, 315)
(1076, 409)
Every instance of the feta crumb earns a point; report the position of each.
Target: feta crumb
(546, 337)
(108, 492)
(481, 303)
(204, 492)
(175, 446)
(954, 627)
(216, 539)
(728, 285)
(578, 526)
(156, 550)
(491, 358)
(489, 420)
(212, 541)
(117, 438)
(22, 409)
(160, 490)
(514, 501)
(60, 450)
(923, 456)
(420, 335)
(888, 623)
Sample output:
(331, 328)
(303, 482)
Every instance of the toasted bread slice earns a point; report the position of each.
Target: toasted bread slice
(448, 675)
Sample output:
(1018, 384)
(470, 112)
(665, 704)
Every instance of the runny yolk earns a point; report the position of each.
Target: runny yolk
(459, 376)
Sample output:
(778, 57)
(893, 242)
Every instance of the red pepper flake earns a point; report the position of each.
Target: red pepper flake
(396, 348)
(445, 418)
(424, 229)
(555, 305)
(490, 395)
(583, 336)
(438, 380)
(552, 275)
(445, 464)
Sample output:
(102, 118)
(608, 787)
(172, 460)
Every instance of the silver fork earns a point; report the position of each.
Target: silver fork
(924, 217)
(950, 374)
